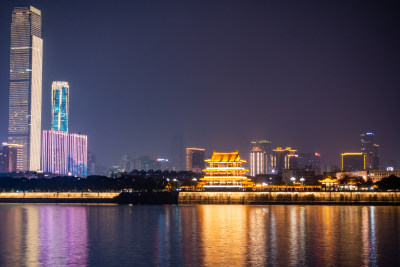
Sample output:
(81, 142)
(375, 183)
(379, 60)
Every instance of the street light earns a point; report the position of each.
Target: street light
(293, 179)
(302, 180)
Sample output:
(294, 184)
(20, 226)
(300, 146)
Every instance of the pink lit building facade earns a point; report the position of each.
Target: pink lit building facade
(64, 153)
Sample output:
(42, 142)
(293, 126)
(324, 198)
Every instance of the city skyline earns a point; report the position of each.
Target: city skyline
(324, 80)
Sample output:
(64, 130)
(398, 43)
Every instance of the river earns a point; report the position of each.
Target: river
(198, 235)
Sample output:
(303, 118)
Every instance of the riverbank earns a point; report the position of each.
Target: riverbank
(248, 198)
(118, 198)
(55, 197)
(316, 198)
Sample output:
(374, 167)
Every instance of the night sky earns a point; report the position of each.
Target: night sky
(308, 74)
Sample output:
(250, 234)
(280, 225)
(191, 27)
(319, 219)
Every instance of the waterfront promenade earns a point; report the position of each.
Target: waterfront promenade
(374, 198)
(335, 198)
(62, 197)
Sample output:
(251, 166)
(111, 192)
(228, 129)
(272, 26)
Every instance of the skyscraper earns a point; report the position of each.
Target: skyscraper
(284, 159)
(59, 106)
(25, 99)
(371, 150)
(195, 159)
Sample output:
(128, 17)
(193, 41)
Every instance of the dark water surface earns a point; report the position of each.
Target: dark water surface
(201, 235)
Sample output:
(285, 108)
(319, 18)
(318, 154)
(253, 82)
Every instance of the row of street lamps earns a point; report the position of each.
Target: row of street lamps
(294, 180)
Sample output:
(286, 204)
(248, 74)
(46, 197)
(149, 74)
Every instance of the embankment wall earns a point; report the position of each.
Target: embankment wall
(57, 197)
(382, 198)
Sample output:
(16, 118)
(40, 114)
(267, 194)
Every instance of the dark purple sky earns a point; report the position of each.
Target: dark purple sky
(311, 75)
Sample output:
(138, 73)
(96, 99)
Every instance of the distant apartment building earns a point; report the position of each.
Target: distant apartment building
(195, 159)
(8, 157)
(91, 164)
(282, 159)
(310, 161)
(370, 150)
(177, 154)
(163, 164)
(258, 161)
(144, 163)
(25, 95)
(126, 164)
(353, 162)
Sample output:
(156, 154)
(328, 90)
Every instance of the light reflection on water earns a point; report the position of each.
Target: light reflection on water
(202, 235)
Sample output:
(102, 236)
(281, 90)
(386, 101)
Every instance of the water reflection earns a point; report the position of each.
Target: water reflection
(37, 235)
(63, 236)
(200, 235)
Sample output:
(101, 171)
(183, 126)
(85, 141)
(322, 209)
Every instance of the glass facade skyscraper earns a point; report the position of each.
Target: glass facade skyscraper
(59, 106)
(25, 98)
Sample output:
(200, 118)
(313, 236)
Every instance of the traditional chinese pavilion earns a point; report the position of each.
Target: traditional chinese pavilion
(225, 171)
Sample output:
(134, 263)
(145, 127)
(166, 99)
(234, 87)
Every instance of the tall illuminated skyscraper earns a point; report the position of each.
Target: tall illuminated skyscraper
(25, 99)
(59, 106)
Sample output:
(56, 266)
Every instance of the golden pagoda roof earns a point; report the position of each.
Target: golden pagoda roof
(225, 157)
(329, 180)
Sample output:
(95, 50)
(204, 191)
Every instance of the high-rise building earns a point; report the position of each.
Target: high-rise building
(64, 153)
(8, 157)
(353, 162)
(371, 150)
(144, 163)
(310, 161)
(283, 159)
(25, 99)
(126, 164)
(259, 155)
(177, 153)
(195, 159)
(162, 164)
(59, 106)
(258, 161)
(265, 145)
(91, 164)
